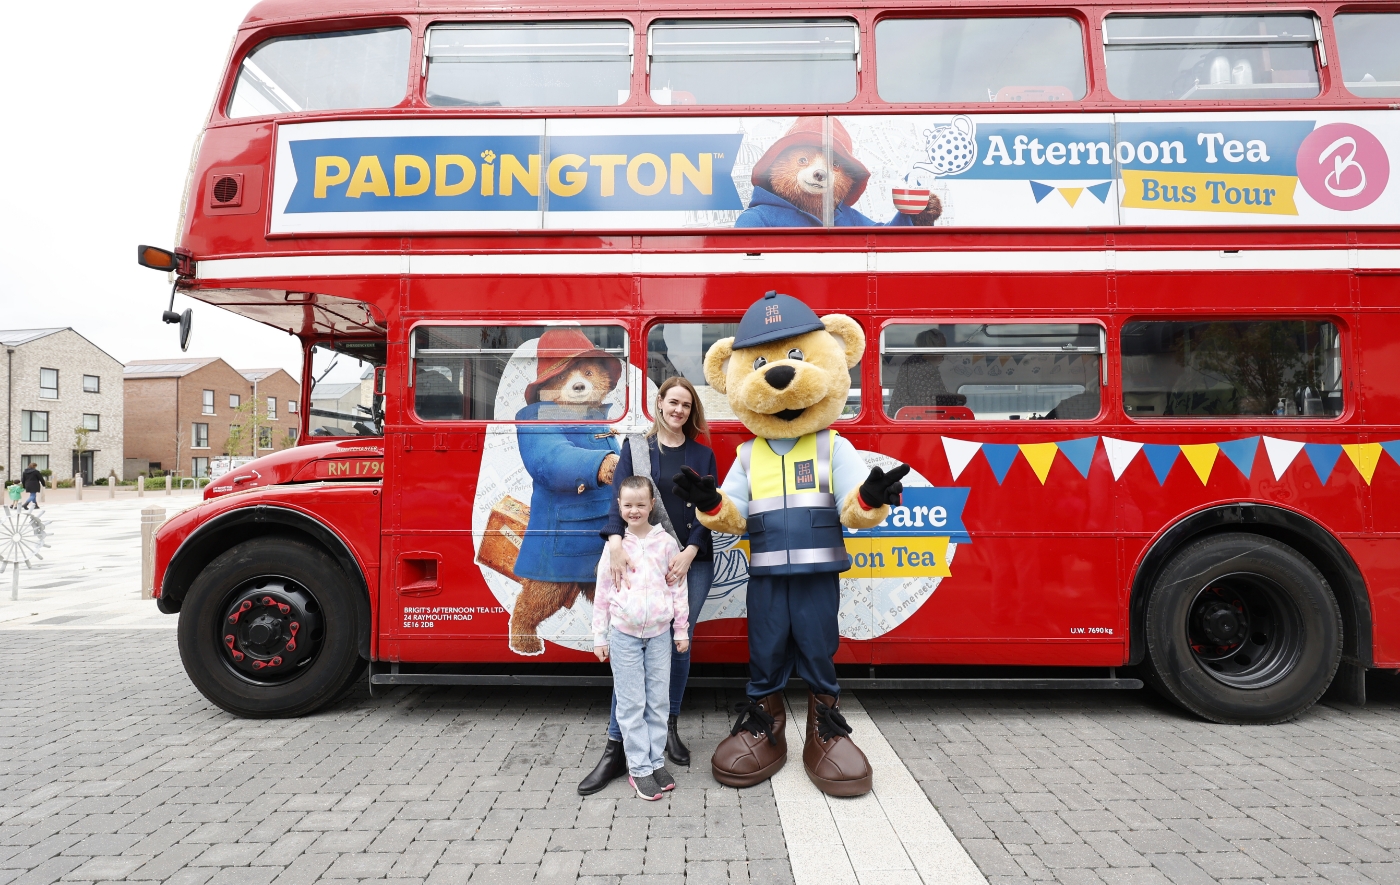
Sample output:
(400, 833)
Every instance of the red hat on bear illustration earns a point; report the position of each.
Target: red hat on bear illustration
(557, 350)
(807, 132)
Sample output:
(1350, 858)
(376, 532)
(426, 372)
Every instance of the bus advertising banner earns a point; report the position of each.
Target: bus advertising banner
(987, 171)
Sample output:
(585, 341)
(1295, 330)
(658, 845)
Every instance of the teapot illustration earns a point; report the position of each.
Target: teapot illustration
(951, 149)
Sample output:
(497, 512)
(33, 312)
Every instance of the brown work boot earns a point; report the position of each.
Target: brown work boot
(756, 747)
(833, 761)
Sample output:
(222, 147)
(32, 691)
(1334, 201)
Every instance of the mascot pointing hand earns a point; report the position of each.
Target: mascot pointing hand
(792, 488)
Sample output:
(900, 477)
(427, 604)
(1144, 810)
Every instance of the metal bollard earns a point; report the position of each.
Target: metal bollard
(78, 485)
(111, 485)
(151, 518)
(167, 483)
(140, 485)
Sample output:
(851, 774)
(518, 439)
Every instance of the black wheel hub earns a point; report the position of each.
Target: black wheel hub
(1244, 631)
(271, 629)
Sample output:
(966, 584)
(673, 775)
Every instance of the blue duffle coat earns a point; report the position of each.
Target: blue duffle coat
(567, 507)
(767, 209)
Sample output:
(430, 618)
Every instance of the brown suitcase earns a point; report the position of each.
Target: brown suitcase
(505, 531)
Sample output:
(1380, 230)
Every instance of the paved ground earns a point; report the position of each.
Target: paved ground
(112, 767)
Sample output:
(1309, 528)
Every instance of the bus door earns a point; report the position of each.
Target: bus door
(502, 488)
(1006, 534)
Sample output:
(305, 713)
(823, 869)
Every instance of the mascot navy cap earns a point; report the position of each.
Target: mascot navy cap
(773, 317)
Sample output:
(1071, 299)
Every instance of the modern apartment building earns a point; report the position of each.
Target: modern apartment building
(183, 412)
(63, 404)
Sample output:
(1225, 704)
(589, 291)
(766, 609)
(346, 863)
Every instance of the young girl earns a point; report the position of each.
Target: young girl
(631, 618)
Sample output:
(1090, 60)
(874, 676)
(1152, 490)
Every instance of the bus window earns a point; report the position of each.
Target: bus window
(583, 64)
(679, 349)
(1195, 369)
(1209, 57)
(519, 373)
(1366, 42)
(991, 372)
(318, 72)
(345, 400)
(980, 59)
(754, 62)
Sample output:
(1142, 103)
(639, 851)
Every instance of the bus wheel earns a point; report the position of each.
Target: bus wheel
(269, 629)
(1242, 629)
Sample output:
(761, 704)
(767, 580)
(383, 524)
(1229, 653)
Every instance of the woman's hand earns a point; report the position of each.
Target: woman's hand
(676, 571)
(682, 646)
(601, 651)
(618, 562)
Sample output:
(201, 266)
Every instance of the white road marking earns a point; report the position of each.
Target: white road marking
(891, 836)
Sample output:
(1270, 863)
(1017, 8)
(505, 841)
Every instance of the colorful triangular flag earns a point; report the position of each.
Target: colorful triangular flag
(1000, 457)
(1041, 456)
(1080, 453)
(959, 452)
(1324, 458)
(1201, 458)
(1281, 453)
(1041, 191)
(1161, 458)
(1100, 190)
(1121, 453)
(1241, 453)
(1071, 194)
(1365, 456)
(1392, 449)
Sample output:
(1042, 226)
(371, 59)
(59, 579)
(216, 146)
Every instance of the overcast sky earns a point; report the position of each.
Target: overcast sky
(101, 118)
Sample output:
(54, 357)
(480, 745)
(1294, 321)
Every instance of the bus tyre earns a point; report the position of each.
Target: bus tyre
(1242, 629)
(269, 629)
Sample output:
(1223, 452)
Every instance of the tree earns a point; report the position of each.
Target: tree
(250, 416)
(80, 443)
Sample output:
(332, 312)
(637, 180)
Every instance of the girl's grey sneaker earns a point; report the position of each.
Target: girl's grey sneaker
(646, 786)
(663, 779)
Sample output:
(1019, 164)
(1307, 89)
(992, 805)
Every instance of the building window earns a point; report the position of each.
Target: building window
(41, 462)
(200, 437)
(291, 407)
(199, 467)
(92, 422)
(48, 384)
(92, 384)
(234, 401)
(207, 403)
(264, 437)
(33, 426)
(272, 408)
(292, 434)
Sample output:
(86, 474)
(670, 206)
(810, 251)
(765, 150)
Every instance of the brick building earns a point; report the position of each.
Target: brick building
(183, 412)
(55, 382)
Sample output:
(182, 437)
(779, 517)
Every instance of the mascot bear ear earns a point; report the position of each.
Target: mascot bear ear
(846, 330)
(717, 363)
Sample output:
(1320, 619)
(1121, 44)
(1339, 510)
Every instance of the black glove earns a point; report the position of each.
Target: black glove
(883, 488)
(695, 489)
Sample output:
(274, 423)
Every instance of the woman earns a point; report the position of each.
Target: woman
(671, 444)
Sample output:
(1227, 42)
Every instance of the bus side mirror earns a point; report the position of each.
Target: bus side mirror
(156, 258)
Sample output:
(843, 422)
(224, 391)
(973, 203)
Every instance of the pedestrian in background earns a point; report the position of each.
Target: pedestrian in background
(33, 482)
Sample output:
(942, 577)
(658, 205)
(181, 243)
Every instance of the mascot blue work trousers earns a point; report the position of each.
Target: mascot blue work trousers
(792, 622)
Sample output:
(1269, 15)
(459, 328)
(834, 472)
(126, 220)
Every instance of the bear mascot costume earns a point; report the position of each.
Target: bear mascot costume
(571, 466)
(791, 179)
(787, 374)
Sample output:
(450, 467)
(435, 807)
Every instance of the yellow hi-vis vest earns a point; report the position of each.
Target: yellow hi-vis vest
(794, 521)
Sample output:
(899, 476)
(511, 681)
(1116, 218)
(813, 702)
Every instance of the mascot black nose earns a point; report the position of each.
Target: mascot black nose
(779, 377)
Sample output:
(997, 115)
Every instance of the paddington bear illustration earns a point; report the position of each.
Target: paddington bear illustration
(791, 179)
(571, 465)
(786, 375)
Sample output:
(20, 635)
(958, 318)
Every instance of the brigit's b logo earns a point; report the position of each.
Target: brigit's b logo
(1343, 166)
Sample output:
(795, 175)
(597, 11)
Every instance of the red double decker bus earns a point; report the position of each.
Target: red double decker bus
(1128, 275)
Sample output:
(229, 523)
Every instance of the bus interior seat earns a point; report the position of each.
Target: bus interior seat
(435, 397)
(936, 413)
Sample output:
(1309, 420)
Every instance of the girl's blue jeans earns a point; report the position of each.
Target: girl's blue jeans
(698, 581)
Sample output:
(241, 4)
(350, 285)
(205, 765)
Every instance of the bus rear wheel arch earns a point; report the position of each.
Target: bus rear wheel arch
(1242, 629)
(269, 628)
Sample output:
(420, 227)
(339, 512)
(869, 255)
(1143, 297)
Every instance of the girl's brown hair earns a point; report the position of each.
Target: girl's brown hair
(695, 424)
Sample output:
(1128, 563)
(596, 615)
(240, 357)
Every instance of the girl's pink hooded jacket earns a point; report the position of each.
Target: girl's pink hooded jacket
(644, 604)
